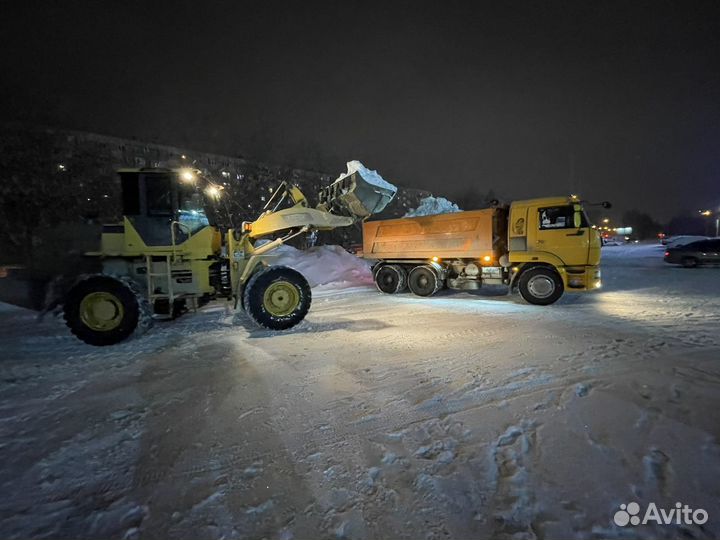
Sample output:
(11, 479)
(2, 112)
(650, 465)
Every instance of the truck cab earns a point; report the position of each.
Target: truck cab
(555, 231)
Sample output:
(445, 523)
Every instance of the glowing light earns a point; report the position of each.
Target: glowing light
(705, 212)
(606, 220)
(435, 259)
(213, 192)
(61, 167)
(183, 156)
(487, 258)
(187, 176)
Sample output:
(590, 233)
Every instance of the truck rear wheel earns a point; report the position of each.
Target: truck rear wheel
(104, 310)
(277, 297)
(391, 278)
(424, 281)
(540, 286)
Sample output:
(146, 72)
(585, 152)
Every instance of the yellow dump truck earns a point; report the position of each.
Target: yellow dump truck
(542, 247)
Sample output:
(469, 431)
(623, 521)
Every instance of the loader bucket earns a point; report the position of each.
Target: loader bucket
(354, 196)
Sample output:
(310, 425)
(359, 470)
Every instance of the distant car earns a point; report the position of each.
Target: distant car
(682, 240)
(695, 253)
(612, 241)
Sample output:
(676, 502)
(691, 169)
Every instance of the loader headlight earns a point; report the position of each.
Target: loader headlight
(187, 176)
(213, 192)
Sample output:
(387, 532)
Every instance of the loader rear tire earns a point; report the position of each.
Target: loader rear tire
(391, 279)
(104, 310)
(277, 297)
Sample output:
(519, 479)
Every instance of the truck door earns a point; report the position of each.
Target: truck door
(564, 232)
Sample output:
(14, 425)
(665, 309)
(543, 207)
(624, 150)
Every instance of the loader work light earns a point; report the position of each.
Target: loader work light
(213, 191)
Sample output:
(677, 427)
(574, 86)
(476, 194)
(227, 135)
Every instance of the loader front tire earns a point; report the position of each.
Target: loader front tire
(277, 297)
(102, 310)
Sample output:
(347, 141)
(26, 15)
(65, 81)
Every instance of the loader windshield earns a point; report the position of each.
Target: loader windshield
(191, 208)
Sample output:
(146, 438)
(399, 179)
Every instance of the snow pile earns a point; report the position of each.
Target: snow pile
(324, 264)
(429, 206)
(371, 177)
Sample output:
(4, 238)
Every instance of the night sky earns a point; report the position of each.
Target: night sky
(616, 101)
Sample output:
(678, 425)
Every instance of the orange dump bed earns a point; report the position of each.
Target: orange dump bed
(456, 235)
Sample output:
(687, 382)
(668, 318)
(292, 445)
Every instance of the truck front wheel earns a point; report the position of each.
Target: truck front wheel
(277, 297)
(391, 278)
(540, 286)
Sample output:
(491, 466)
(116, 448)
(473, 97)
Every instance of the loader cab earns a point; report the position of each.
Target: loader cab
(164, 206)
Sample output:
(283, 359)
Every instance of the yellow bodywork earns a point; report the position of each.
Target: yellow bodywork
(125, 253)
(128, 243)
(574, 252)
(296, 217)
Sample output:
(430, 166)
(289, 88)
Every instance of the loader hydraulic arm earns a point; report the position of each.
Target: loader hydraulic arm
(276, 296)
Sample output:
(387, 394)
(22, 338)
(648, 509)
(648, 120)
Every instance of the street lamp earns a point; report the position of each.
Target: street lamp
(707, 214)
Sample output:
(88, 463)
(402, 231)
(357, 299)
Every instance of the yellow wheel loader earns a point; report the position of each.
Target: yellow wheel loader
(166, 256)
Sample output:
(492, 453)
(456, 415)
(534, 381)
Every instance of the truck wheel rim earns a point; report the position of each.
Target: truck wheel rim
(541, 286)
(101, 311)
(281, 299)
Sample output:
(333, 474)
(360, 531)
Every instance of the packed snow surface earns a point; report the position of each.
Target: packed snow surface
(371, 177)
(430, 206)
(463, 415)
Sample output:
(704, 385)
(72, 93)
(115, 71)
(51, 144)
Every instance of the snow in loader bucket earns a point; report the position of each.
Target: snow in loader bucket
(359, 192)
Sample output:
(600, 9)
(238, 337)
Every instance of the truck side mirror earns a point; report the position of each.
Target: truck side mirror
(606, 204)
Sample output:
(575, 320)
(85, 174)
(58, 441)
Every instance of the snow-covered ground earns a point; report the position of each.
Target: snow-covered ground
(458, 416)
